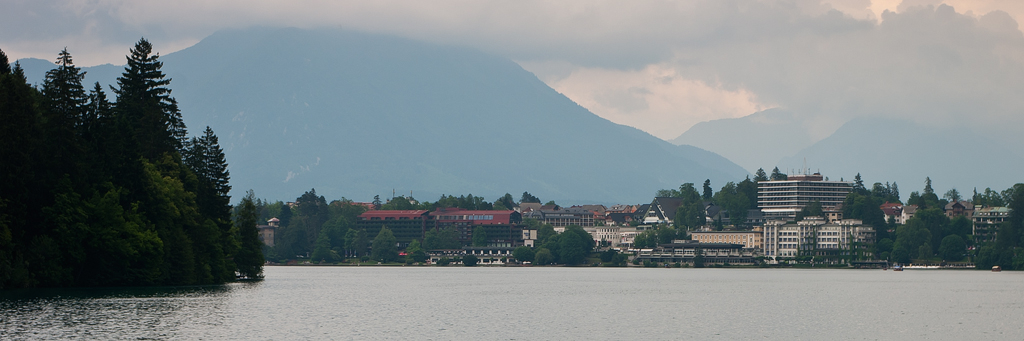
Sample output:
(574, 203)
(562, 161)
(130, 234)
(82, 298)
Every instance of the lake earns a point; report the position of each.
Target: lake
(537, 303)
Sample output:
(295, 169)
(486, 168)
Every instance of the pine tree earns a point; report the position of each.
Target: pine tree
(204, 156)
(64, 104)
(21, 199)
(5, 66)
(708, 192)
(249, 258)
(143, 99)
(760, 175)
(777, 175)
(63, 91)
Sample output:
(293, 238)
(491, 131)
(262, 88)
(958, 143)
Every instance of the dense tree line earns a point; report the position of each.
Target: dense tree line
(98, 193)
(327, 231)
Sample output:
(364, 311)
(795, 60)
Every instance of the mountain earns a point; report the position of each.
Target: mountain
(884, 150)
(106, 74)
(356, 115)
(754, 141)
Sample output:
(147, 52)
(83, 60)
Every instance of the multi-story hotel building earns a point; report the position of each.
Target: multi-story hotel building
(782, 199)
(813, 236)
(987, 221)
(749, 239)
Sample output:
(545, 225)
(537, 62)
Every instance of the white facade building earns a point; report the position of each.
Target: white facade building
(782, 199)
(813, 236)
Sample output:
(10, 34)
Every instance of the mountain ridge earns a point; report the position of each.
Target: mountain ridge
(355, 114)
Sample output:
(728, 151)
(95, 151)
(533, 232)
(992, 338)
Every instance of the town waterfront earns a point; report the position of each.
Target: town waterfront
(502, 303)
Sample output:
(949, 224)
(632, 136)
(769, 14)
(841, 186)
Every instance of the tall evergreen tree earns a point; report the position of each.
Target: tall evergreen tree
(64, 103)
(777, 175)
(144, 100)
(249, 258)
(858, 184)
(204, 156)
(5, 66)
(20, 198)
(708, 192)
(760, 175)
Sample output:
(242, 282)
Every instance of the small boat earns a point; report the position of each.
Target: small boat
(996, 269)
(897, 267)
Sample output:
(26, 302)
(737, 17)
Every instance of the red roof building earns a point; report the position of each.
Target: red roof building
(894, 210)
(474, 217)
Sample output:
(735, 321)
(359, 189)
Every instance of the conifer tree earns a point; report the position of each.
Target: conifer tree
(5, 66)
(64, 103)
(760, 175)
(144, 100)
(20, 198)
(249, 258)
(708, 192)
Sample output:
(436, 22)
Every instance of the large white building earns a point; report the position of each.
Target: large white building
(987, 221)
(813, 236)
(782, 199)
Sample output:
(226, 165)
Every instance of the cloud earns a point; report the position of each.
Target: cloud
(655, 99)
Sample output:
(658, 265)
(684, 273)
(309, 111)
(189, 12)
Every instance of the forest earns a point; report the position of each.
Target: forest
(326, 231)
(101, 192)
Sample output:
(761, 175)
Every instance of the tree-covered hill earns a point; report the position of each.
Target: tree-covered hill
(95, 192)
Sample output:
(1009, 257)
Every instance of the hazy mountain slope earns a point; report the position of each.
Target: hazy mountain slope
(106, 74)
(754, 141)
(889, 150)
(356, 114)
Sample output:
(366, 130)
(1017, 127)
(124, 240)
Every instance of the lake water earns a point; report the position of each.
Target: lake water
(541, 303)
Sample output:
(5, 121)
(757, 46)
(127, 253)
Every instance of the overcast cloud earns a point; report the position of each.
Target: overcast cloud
(661, 66)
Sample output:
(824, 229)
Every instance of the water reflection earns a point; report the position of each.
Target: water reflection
(111, 313)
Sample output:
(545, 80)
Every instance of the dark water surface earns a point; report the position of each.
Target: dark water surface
(451, 303)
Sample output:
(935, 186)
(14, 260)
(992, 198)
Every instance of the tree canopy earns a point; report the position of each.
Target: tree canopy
(95, 193)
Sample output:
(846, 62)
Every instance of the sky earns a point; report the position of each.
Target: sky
(660, 66)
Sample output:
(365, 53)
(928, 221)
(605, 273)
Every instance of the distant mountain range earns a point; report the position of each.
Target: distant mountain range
(880, 149)
(356, 115)
(758, 140)
(884, 150)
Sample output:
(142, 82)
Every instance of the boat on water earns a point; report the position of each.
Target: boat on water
(897, 267)
(996, 269)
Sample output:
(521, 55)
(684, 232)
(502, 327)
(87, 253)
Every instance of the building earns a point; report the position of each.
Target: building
(502, 227)
(893, 211)
(828, 242)
(529, 207)
(661, 211)
(987, 221)
(749, 239)
(782, 199)
(491, 255)
(755, 218)
(619, 218)
(406, 225)
(563, 217)
(712, 253)
(268, 231)
(641, 213)
(530, 237)
(611, 235)
(959, 209)
(908, 212)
